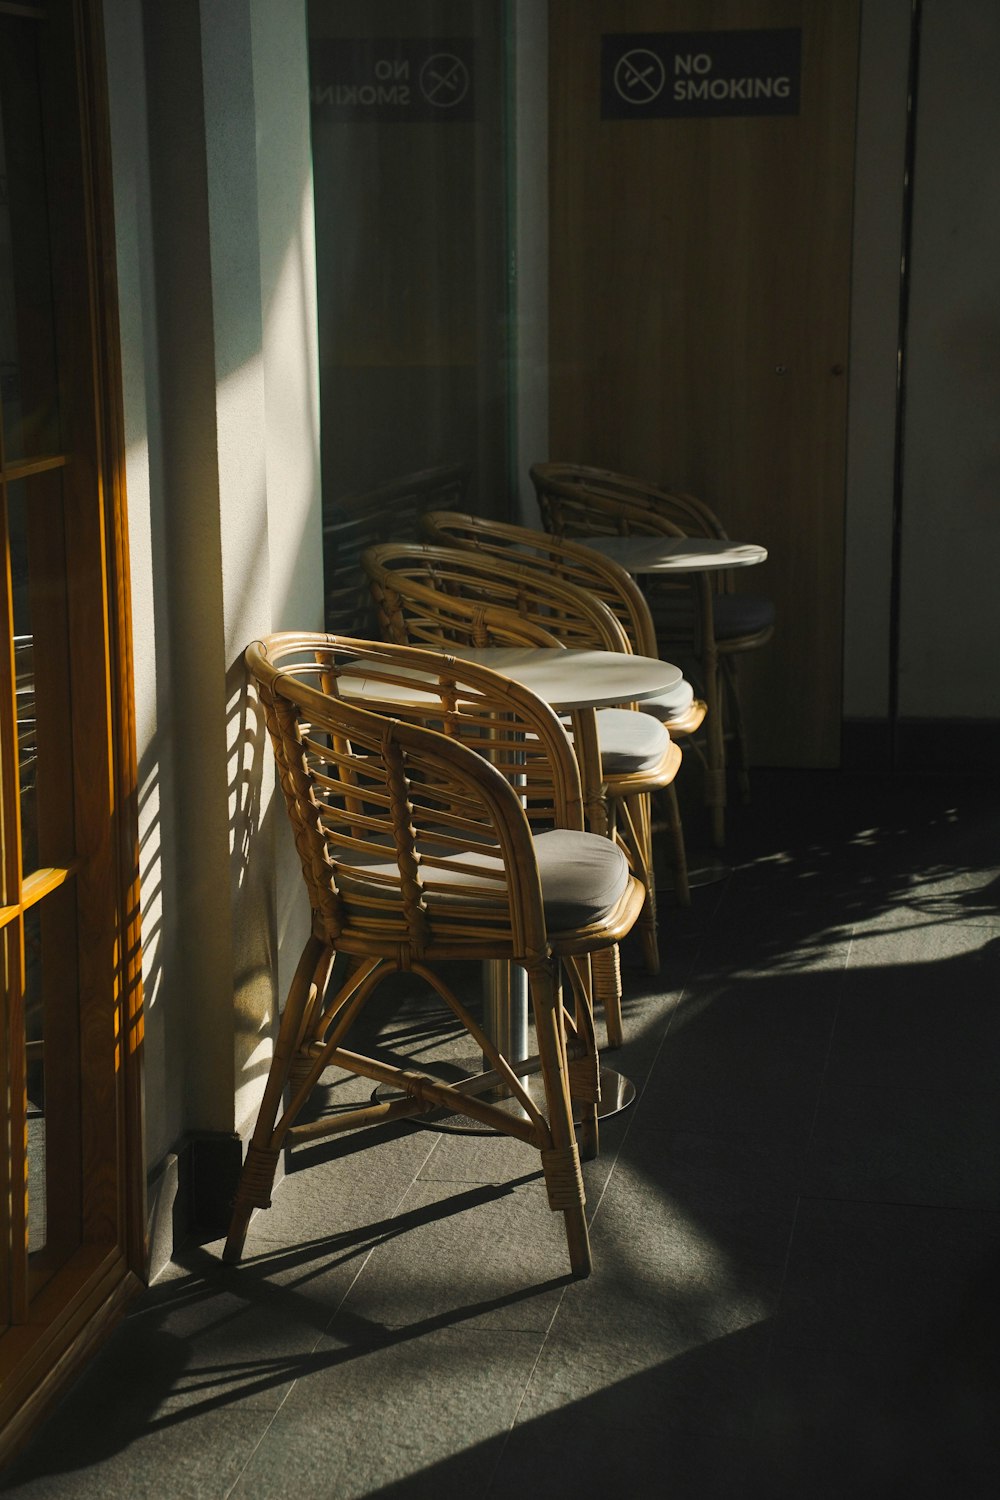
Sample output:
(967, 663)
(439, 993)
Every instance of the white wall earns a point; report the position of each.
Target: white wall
(949, 625)
(213, 198)
(878, 219)
(950, 616)
(163, 1052)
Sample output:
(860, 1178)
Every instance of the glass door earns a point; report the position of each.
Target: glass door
(68, 935)
(413, 245)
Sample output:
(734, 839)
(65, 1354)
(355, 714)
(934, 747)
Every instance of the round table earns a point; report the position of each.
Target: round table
(675, 554)
(576, 677)
(567, 680)
(642, 553)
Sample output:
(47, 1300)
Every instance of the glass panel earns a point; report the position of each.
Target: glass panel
(41, 645)
(11, 1164)
(52, 1051)
(411, 239)
(34, 1051)
(28, 385)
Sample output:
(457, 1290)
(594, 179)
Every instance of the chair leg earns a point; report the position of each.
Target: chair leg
(635, 829)
(682, 888)
(715, 764)
(649, 930)
(584, 1072)
(257, 1177)
(561, 1158)
(738, 729)
(607, 971)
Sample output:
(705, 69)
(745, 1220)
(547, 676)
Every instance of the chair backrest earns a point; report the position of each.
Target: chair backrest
(411, 837)
(389, 513)
(680, 603)
(553, 482)
(445, 594)
(570, 561)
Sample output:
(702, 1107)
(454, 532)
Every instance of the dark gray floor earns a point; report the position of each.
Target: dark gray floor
(796, 1230)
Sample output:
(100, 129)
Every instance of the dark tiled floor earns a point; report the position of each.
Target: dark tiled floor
(796, 1230)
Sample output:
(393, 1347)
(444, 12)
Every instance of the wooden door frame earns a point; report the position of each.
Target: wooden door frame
(44, 1355)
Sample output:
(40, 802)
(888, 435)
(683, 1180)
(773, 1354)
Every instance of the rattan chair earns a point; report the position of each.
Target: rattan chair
(416, 851)
(441, 595)
(390, 512)
(699, 614)
(692, 514)
(681, 713)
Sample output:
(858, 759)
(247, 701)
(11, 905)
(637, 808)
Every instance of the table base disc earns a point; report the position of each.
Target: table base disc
(617, 1093)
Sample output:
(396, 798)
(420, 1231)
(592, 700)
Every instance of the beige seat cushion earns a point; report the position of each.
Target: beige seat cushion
(672, 703)
(583, 876)
(629, 742)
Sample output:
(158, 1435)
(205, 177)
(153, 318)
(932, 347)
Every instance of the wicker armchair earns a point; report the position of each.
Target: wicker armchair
(677, 708)
(688, 512)
(389, 513)
(700, 615)
(441, 595)
(416, 850)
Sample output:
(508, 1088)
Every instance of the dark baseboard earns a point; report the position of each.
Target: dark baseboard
(865, 745)
(948, 745)
(935, 745)
(190, 1193)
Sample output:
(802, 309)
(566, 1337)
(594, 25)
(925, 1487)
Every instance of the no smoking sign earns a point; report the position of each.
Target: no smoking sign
(673, 74)
(396, 80)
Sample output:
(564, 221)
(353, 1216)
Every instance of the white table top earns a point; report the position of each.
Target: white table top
(564, 679)
(577, 678)
(675, 554)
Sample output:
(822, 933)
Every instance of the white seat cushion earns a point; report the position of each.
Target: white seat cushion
(672, 703)
(583, 876)
(629, 742)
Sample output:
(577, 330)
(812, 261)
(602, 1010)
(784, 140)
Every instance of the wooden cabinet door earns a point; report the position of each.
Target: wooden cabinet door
(700, 280)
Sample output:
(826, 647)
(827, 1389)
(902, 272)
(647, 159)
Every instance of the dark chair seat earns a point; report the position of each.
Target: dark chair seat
(734, 616)
(738, 615)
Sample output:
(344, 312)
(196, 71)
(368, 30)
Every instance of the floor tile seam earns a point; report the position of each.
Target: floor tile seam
(366, 1258)
(879, 925)
(771, 1337)
(542, 1343)
(971, 1210)
(326, 1330)
(978, 1087)
(498, 1180)
(256, 1448)
(824, 1071)
(631, 1113)
(800, 1198)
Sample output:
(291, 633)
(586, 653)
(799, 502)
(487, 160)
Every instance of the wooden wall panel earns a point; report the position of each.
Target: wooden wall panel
(700, 281)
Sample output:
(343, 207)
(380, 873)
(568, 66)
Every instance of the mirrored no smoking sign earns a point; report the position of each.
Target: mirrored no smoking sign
(396, 80)
(676, 74)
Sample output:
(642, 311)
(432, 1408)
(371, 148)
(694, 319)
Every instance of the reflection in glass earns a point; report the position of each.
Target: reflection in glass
(409, 161)
(52, 1071)
(34, 1046)
(41, 659)
(28, 385)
